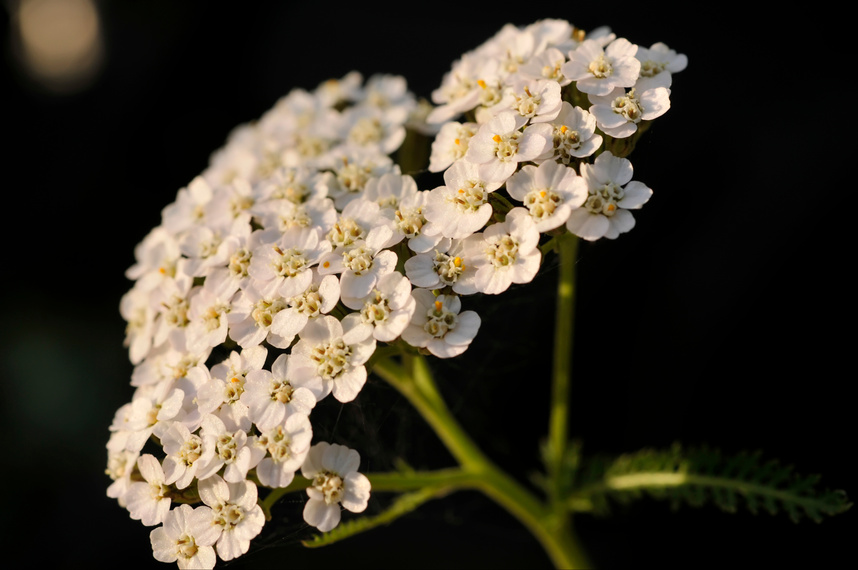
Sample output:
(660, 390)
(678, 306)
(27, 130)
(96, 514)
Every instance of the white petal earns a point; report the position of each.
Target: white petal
(357, 488)
(348, 385)
(586, 225)
(321, 515)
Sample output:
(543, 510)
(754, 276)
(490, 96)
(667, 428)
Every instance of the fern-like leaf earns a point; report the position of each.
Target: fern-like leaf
(704, 476)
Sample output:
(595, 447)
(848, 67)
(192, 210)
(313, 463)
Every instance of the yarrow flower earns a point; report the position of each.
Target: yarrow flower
(440, 326)
(233, 515)
(333, 353)
(612, 193)
(186, 537)
(304, 247)
(336, 484)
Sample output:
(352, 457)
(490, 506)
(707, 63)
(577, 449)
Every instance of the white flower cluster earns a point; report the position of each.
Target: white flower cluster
(276, 273)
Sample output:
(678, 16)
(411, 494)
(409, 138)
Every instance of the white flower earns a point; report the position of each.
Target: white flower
(150, 406)
(235, 516)
(551, 32)
(135, 306)
(333, 469)
(296, 184)
(365, 126)
(173, 300)
(284, 266)
(188, 209)
(156, 258)
(509, 47)
(460, 207)
(235, 159)
(437, 269)
(185, 452)
(348, 170)
(319, 298)
(450, 144)
(221, 395)
(505, 253)
(120, 465)
(232, 451)
(362, 263)
(387, 93)
(149, 500)
(460, 89)
(612, 193)
(230, 203)
(501, 144)
(335, 353)
(618, 113)
(208, 307)
(546, 65)
(658, 64)
(284, 214)
(409, 223)
(274, 395)
(286, 445)
(354, 223)
(389, 189)
(549, 191)
(186, 538)
(344, 89)
(439, 326)
(387, 308)
(574, 134)
(538, 100)
(166, 362)
(598, 71)
(255, 318)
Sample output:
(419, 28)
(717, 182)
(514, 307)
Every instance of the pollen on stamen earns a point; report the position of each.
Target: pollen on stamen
(542, 193)
(461, 191)
(234, 380)
(563, 128)
(496, 138)
(481, 83)
(438, 305)
(457, 141)
(457, 261)
(326, 264)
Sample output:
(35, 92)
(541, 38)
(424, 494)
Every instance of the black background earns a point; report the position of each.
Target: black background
(725, 317)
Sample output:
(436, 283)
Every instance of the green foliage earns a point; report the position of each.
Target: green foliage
(702, 476)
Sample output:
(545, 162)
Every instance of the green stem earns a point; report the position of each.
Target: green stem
(558, 425)
(413, 379)
(419, 389)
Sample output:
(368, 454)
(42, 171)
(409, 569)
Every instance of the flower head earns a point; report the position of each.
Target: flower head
(186, 538)
(439, 325)
(611, 194)
(336, 483)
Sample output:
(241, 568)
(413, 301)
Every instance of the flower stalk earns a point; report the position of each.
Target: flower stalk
(558, 426)
(547, 521)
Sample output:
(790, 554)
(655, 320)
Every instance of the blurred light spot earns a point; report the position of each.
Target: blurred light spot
(59, 42)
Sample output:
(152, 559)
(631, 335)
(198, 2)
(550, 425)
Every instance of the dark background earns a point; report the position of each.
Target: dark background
(725, 317)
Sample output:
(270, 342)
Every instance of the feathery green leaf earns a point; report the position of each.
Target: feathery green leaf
(703, 475)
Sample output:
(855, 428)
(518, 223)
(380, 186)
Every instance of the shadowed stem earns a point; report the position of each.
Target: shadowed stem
(549, 525)
(558, 424)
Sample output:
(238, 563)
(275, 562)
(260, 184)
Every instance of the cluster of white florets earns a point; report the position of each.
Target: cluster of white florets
(279, 270)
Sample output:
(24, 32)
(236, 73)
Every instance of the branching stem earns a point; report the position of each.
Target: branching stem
(413, 379)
